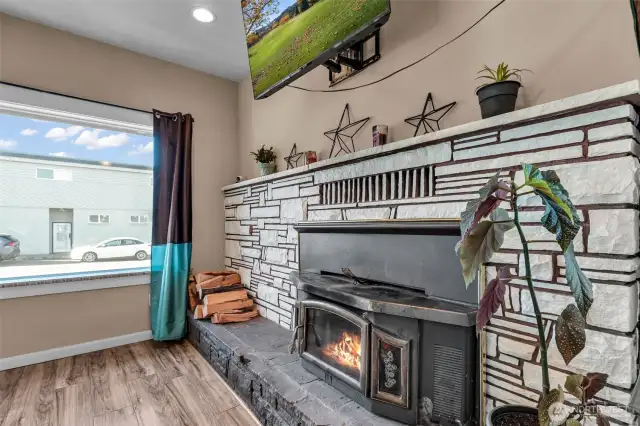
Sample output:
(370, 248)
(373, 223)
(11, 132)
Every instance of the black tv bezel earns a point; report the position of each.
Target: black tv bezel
(359, 35)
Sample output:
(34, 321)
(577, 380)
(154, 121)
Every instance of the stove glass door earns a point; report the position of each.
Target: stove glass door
(336, 340)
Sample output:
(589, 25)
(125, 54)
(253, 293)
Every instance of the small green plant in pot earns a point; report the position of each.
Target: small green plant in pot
(266, 160)
(482, 226)
(500, 94)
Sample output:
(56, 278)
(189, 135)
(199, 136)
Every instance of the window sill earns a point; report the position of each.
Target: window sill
(40, 286)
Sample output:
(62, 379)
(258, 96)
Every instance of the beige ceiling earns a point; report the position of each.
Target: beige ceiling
(160, 28)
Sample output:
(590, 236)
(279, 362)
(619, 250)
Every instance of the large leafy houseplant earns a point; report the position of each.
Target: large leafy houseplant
(483, 225)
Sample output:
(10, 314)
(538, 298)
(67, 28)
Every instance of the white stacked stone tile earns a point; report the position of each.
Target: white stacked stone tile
(595, 156)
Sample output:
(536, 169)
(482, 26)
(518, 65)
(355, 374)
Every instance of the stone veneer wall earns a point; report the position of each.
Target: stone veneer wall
(595, 153)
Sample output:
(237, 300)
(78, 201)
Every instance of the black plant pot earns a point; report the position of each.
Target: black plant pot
(498, 98)
(517, 414)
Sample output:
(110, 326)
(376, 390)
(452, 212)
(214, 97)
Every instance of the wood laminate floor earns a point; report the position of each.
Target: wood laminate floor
(144, 384)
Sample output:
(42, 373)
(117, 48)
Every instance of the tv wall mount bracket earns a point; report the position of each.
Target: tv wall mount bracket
(354, 59)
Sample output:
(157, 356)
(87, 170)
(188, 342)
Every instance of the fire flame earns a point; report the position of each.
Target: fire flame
(345, 351)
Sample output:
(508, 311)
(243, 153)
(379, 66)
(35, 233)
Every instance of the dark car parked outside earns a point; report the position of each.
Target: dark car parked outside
(9, 247)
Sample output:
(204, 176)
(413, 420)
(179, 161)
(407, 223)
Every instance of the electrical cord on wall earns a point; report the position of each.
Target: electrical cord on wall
(406, 66)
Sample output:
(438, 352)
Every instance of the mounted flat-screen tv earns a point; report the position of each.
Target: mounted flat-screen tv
(288, 38)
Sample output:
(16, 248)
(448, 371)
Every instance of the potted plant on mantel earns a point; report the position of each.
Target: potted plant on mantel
(499, 96)
(481, 239)
(266, 160)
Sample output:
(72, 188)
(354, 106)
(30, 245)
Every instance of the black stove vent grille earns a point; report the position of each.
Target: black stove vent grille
(448, 369)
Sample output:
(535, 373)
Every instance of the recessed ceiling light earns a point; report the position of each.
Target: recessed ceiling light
(203, 14)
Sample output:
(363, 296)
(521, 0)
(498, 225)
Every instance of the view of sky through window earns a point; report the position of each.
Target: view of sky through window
(38, 137)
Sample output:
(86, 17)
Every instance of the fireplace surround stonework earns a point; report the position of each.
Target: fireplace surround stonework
(591, 140)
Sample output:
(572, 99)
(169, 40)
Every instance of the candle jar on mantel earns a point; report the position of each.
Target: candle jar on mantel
(310, 157)
(380, 133)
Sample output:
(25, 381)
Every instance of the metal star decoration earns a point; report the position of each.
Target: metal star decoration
(432, 116)
(293, 158)
(345, 132)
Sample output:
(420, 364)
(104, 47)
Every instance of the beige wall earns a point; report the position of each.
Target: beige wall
(571, 46)
(33, 324)
(44, 58)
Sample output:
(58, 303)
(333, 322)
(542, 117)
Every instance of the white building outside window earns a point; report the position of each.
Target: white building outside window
(75, 178)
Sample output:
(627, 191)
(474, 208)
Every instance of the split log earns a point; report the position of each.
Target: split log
(206, 291)
(209, 310)
(198, 312)
(223, 318)
(207, 275)
(217, 282)
(193, 296)
(228, 296)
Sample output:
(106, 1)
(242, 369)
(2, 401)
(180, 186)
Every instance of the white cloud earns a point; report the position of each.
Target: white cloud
(60, 134)
(142, 149)
(28, 132)
(60, 154)
(92, 139)
(7, 144)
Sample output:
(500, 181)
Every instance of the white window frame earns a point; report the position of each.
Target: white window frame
(99, 222)
(140, 221)
(25, 102)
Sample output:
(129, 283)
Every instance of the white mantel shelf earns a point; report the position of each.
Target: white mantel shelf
(629, 92)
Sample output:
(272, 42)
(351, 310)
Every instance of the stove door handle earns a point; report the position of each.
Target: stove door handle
(294, 339)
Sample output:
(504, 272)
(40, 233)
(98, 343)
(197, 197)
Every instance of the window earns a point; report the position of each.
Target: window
(113, 243)
(89, 169)
(131, 242)
(44, 173)
(99, 218)
(141, 219)
(54, 174)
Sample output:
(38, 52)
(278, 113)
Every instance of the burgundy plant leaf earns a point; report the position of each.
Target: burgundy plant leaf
(570, 333)
(483, 205)
(482, 242)
(492, 298)
(593, 383)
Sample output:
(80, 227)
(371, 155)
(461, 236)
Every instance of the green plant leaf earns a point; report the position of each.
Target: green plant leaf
(570, 334)
(482, 242)
(492, 298)
(482, 206)
(560, 216)
(573, 385)
(601, 420)
(545, 403)
(580, 285)
(593, 383)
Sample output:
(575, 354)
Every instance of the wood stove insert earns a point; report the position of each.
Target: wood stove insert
(406, 352)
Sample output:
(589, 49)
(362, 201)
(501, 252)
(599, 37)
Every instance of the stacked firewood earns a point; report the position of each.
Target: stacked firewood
(220, 295)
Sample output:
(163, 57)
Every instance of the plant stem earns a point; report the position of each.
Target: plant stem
(534, 300)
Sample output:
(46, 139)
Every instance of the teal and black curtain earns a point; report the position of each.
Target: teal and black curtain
(171, 235)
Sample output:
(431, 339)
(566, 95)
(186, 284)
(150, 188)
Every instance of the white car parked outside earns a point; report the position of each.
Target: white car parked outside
(120, 247)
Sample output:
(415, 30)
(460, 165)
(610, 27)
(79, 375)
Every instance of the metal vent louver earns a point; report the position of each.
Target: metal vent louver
(447, 382)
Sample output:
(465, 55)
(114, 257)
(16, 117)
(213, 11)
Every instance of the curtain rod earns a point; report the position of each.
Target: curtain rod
(74, 97)
(174, 116)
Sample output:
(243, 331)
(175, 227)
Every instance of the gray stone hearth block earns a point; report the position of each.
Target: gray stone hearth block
(252, 358)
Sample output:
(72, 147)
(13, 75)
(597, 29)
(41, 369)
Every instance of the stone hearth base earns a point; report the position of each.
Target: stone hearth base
(253, 359)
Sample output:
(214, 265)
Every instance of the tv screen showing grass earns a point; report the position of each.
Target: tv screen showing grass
(284, 36)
